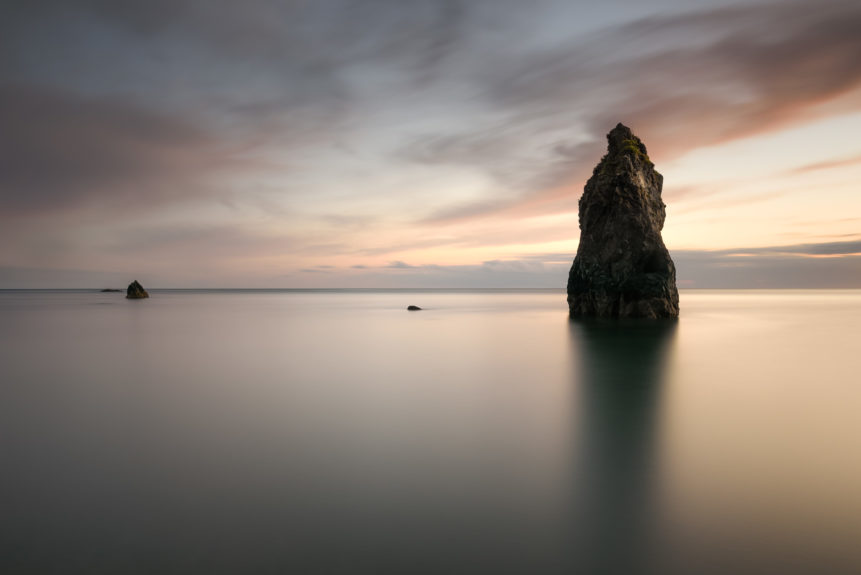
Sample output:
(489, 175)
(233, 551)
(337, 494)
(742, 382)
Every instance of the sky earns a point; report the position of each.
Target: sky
(420, 143)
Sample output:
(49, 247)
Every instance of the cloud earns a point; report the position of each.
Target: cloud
(256, 59)
(516, 171)
(681, 81)
(808, 266)
(797, 266)
(117, 108)
(704, 270)
(534, 113)
(694, 79)
(185, 253)
(490, 274)
(814, 249)
(841, 163)
(60, 150)
(399, 265)
(458, 212)
(195, 243)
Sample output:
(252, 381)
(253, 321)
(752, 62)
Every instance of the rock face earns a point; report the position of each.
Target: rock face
(622, 268)
(136, 291)
(414, 308)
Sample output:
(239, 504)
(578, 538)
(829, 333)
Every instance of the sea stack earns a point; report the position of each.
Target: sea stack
(136, 291)
(622, 268)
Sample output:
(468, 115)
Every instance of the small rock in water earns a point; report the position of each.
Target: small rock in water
(110, 290)
(414, 308)
(136, 291)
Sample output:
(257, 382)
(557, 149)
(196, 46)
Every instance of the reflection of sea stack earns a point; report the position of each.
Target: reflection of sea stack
(136, 291)
(622, 268)
(621, 372)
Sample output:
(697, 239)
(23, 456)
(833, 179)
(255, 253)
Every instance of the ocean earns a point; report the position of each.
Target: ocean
(243, 431)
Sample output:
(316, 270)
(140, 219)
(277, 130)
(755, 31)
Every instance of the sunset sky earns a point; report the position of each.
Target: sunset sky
(420, 143)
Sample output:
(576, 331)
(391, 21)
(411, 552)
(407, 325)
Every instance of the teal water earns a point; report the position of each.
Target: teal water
(335, 432)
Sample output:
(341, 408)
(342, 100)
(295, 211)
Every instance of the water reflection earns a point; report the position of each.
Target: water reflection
(619, 379)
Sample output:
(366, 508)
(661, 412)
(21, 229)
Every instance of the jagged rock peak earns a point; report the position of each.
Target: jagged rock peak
(621, 142)
(136, 291)
(622, 268)
(621, 138)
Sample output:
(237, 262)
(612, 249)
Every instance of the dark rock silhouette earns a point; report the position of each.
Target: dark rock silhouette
(414, 308)
(622, 268)
(136, 291)
(110, 290)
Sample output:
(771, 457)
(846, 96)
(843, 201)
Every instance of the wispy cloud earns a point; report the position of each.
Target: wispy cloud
(828, 165)
(777, 267)
(399, 265)
(815, 249)
(747, 69)
(60, 150)
(295, 133)
(795, 266)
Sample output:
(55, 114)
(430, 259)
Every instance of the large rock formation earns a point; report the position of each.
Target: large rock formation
(136, 291)
(622, 268)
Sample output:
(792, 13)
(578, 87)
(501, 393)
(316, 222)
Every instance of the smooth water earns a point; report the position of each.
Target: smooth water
(335, 432)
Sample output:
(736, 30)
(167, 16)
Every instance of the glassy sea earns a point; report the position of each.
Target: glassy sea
(335, 432)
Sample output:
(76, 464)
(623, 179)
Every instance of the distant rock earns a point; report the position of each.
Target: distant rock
(622, 268)
(413, 308)
(111, 290)
(136, 291)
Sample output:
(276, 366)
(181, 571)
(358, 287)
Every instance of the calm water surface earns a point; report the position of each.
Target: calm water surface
(335, 432)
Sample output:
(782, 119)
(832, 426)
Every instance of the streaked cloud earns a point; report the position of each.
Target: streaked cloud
(439, 140)
(829, 165)
(684, 81)
(60, 150)
(399, 265)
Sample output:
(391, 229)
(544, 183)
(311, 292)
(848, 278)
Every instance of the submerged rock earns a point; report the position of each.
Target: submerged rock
(136, 291)
(110, 290)
(622, 268)
(413, 308)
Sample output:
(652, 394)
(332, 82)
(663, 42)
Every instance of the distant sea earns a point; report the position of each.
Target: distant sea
(332, 431)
